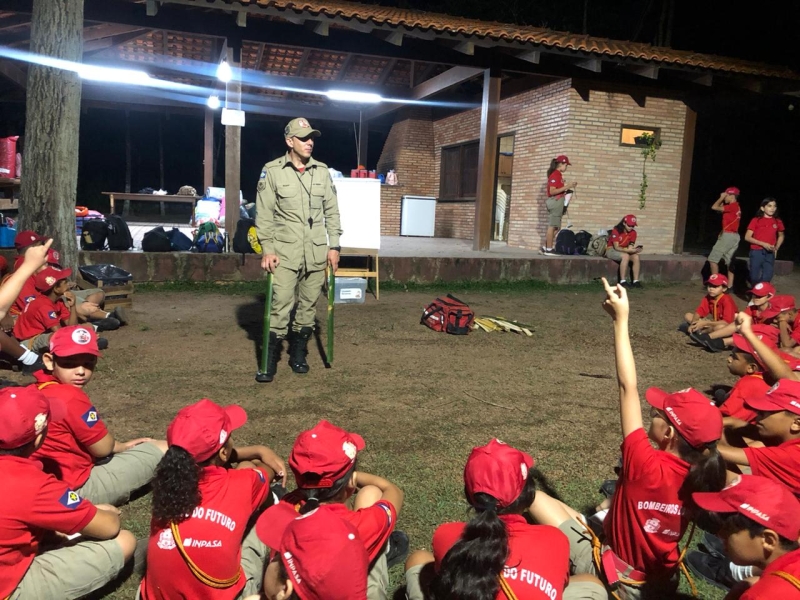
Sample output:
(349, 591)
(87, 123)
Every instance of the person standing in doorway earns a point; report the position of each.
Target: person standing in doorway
(765, 234)
(556, 191)
(296, 207)
(728, 241)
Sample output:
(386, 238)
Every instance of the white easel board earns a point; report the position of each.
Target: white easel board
(360, 210)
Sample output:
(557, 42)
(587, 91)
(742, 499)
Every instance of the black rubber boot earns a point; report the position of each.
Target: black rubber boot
(275, 347)
(298, 349)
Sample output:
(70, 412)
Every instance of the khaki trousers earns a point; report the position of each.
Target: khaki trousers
(289, 285)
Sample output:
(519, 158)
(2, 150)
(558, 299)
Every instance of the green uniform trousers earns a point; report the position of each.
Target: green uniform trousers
(289, 285)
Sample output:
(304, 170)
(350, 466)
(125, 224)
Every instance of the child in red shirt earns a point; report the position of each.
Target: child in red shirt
(745, 364)
(765, 234)
(47, 312)
(649, 509)
(721, 338)
(716, 310)
(728, 241)
(759, 521)
(530, 560)
(622, 248)
(557, 189)
(199, 546)
(80, 438)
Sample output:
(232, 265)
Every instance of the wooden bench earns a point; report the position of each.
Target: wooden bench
(113, 196)
(116, 295)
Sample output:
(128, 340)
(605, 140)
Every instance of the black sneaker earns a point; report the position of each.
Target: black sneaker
(716, 345)
(684, 328)
(637, 284)
(398, 548)
(120, 315)
(30, 369)
(626, 284)
(107, 324)
(711, 544)
(700, 337)
(608, 487)
(102, 343)
(720, 395)
(711, 569)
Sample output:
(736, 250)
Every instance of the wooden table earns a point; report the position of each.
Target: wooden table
(8, 187)
(112, 196)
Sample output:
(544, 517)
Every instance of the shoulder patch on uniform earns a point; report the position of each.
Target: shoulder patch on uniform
(261, 476)
(90, 417)
(52, 314)
(263, 174)
(262, 185)
(70, 500)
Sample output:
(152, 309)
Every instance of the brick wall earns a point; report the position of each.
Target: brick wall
(391, 196)
(409, 151)
(455, 220)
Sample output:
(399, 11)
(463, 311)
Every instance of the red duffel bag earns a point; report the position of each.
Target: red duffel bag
(449, 315)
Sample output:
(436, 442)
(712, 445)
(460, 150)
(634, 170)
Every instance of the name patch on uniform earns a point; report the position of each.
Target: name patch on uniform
(90, 417)
(70, 499)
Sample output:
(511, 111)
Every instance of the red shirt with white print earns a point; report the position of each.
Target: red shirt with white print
(765, 229)
(721, 308)
(731, 217)
(555, 182)
(647, 518)
(39, 316)
(748, 386)
(28, 294)
(772, 587)
(537, 566)
(779, 463)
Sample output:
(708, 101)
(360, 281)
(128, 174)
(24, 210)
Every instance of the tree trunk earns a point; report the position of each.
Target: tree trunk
(52, 124)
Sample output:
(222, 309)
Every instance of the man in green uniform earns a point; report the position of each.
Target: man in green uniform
(296, 207)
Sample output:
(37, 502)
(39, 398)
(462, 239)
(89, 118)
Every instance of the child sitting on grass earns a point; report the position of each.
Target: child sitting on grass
(649, 511)
(745, 364)
(716, 310)
(48, 312)
(722, 337)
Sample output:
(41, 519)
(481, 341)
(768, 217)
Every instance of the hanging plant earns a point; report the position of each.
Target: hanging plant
(651, 146)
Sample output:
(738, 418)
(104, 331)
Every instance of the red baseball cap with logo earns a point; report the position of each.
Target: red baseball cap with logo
(740, 343)
(629, 220)
(777, 305)
(762, 289)
(762, 500)
(75, 339)
(203, 428)
(322, 553)
(499, 470)
(45, 279)
(732, 190)
(26, 412)
(784, 395)
(695, 416)
(322, 455)
(562, 158)
(717, 279)
(27, 238)
(54, 258)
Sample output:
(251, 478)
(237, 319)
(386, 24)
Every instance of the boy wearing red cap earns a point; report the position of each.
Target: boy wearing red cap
(323, 460)
(48, 312)
(315, 556)
(759, 524)
(785, 319)
(721, 338)
(728, 241)
(716, 310)
(556, 193)
(81, 438)
(622, 249)
(36, 505)
(200, 547)
(745, 364)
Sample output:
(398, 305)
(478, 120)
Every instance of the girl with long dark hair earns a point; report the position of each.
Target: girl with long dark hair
(498, 554)
(622, 249)
(651, 508)
(199, 546)
(765, 234)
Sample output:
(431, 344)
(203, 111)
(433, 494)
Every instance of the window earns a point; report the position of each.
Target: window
(459, 172)
(629, 134)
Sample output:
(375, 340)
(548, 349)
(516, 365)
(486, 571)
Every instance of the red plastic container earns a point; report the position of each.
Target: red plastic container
(8, 156)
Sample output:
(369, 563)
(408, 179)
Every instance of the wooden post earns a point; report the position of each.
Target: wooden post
(689, 126)
(487, 160)
(128, 159)
(208, 150)
(363, 142)
(233, 151)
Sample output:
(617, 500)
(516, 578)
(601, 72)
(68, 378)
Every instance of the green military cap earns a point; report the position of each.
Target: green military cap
(299, 127)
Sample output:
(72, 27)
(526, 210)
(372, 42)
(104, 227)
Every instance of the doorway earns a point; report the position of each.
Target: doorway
(502, 195)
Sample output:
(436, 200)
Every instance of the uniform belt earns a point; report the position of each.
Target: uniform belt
(614, 566)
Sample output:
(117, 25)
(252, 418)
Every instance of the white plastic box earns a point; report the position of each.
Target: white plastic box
(350, 290)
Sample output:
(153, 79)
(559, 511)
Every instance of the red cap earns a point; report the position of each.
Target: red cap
(717, 279)
(322, 455)
(695, 417)
(762, 500)
(75, 339)
(322, 553)
(629, 220)
(732, 190)
(26, 412)
(784, 395)
(27, 238)
(740, 342)
(203, 428)
(562, 158)
(45, 279)
(499, 470)
(777, 305)
(54, 258)
(762, 289)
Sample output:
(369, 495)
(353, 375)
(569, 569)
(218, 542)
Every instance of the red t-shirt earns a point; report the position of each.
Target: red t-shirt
(749, 386)
(33, 504)
(39, 316)
(212, 537)
(537, 567)
(647, 519)
(731, 217)
(721, 308)
(755, 313)
(65, 451)
(779, 463)
(772, 587)
(555, 182)
(624, 239)
(765, 229)
(27, 295)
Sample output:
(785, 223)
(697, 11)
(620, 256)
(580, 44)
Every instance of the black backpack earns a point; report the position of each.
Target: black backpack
(119, 236)
(582, 240)
(156, 240)
(565, 242)
(240, 242)
(93, 235)
(179, 241)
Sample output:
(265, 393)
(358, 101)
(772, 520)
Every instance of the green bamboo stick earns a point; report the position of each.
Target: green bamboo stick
(267, 313)
(331, 297)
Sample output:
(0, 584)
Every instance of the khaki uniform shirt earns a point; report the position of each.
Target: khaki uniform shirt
(294, 211)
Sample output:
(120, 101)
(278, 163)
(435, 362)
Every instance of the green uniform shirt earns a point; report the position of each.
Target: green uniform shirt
(294, 211)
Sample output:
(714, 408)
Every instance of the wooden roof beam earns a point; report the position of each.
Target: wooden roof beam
(648, 71)
(100, 44)
(387, 72)
(594, 65)
(7, 23)
(11, 71)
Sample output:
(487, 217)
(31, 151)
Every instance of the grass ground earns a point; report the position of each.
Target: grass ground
(421, 400)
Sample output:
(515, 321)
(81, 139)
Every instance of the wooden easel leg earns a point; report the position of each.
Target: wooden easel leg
(377, 278)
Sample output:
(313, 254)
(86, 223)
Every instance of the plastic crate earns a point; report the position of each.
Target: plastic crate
(107, 275)
(350, 290)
